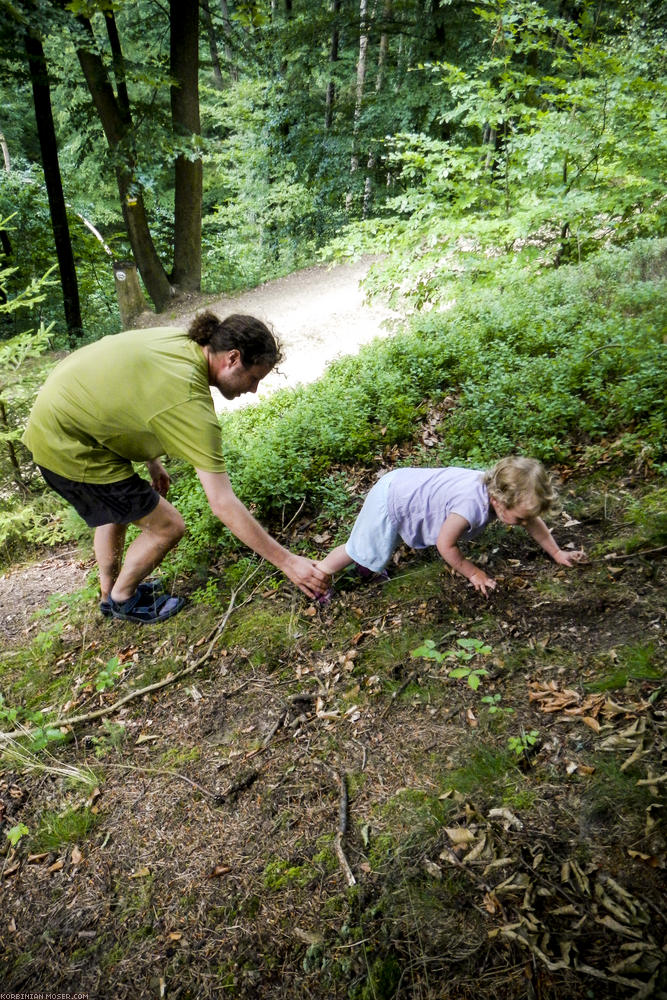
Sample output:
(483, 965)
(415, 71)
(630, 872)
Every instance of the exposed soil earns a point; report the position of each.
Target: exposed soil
(26, 589)
(211, 868)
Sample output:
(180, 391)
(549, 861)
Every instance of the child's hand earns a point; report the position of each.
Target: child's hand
(569, 558)
(482, 582)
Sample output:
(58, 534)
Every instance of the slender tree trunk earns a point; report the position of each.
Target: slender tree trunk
(184, 22)
(5, 242)
(229, 55)
(379, 80)
(5, 152)
(333, 58)
(361, 77)
(212, 45)
(439, 36)
(11, 450)
(118, 68)
(41, 92)
(116, 129)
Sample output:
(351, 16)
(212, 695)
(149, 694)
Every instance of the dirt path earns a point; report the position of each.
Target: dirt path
(318, 313)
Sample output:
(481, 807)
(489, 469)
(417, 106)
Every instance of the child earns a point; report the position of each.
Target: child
(443, 506)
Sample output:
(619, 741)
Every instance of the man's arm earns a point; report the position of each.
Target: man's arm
(451, 531)
(539, 532)
(234, 515)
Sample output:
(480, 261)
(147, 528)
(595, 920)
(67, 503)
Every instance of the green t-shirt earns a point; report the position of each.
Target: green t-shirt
(126, 398)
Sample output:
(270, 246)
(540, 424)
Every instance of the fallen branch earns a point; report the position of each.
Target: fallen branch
(613, 557)
(398, 692)
(342, 829)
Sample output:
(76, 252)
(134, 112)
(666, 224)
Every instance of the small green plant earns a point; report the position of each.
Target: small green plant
(208, 595)
(8, 716)
(522, 743)
(467, 650)
(109, 674)
(494, 706)
(16, 832)
(427, 651)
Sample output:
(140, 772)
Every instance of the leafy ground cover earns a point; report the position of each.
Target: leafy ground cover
(314, 803)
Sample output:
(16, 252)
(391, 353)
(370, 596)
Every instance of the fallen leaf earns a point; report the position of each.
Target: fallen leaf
(145, 738)
(435, 871)
(219, 870)
(591, 723)
(56, 866)
(459, 834)
(140, 873)
(510, 820)
(77, 856)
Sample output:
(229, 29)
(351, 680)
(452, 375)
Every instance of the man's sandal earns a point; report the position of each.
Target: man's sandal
(146, 609)
(151, 587)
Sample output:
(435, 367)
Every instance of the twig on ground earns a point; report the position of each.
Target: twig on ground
(100, 713)
(613, 557)
(167, 773)
(398, 692)
(342, 829)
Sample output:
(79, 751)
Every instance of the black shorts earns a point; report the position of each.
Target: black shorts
(106, 503)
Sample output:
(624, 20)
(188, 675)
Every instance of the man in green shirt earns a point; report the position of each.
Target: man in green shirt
(133, 397)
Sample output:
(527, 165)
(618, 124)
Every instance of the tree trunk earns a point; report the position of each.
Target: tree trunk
(361, 77)
(5, 242)
(379, 80)
(231, 65)
(5, 152)
(41, 92)
(212, 45)
(116, 130)
(333, 58)
(131, 302)
(184, 49)
(118, 68)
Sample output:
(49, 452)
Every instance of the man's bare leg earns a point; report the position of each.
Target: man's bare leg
(109, 543)
(161, 530)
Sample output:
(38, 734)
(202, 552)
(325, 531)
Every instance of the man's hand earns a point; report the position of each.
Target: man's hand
(306, 575)
(160, 480)
(482, 582)
(569, 558)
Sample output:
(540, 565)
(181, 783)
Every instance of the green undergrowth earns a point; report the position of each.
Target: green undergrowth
(578, 351)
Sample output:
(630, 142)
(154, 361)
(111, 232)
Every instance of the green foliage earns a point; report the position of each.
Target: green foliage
(492, 701)
(15, 833)
(544, 367)
(467, 650)
(68, 827)
(109, 674)
(520, 745)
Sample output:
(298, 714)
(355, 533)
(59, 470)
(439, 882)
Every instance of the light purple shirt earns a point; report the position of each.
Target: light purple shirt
(420, 501)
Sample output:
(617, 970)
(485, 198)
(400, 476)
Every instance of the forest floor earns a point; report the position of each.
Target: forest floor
(304, 808)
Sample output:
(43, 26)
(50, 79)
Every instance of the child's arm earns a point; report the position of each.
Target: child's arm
(538, 530)
(451, 531)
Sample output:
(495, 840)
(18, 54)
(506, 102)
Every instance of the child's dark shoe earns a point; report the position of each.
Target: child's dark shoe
(368, 575)
(325, 599)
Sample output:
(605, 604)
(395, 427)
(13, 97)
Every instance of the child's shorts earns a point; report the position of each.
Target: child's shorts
(374, 537)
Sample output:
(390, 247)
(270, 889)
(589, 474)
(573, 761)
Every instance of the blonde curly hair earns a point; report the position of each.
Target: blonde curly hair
(516, 480)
